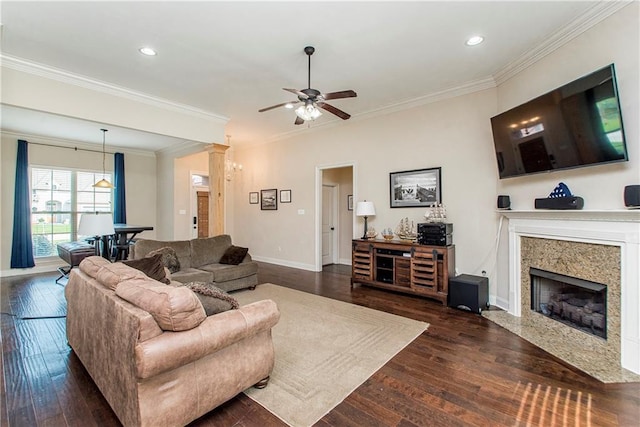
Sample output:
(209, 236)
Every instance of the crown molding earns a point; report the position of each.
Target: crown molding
(599, 12)
(23, 65)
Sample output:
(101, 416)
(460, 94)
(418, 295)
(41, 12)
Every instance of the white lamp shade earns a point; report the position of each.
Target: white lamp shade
(94, 224)
(365, 209)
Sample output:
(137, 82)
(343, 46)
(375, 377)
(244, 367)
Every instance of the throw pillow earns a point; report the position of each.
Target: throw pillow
(173, 308)
(151, 266)
(234, 255)
(169, 258)
(213, 299)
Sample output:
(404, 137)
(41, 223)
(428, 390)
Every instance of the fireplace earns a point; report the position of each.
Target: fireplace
(575, 302)
(602, 247)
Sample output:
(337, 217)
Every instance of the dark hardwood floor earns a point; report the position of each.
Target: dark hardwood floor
(464, 370)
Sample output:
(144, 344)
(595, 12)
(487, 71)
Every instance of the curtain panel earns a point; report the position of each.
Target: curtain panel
(22, 247)
(119, 195)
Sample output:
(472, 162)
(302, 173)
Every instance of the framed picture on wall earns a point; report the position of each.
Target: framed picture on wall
(350, 202)
(269, 199)
(254, 198)
(285, 196)
(415, 188)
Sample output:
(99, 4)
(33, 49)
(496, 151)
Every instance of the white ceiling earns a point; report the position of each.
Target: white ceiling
(233, 58)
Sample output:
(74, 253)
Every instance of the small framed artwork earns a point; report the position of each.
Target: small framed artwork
(350, 202)
(254, 198)
(269, 199)
(415, 188)
(285, 196)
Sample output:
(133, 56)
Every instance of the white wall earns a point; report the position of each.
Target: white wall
(140, 173)
(454, 134)
(614, 40)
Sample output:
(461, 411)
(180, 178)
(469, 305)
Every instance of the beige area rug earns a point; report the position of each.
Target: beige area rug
(324, 350)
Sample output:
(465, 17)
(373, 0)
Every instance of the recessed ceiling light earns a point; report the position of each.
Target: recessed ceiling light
(147, 51)
(472, 41)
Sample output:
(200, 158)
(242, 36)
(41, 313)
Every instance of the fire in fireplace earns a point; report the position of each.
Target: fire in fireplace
(578, 303)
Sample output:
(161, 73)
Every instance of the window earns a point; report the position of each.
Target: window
(57, 198)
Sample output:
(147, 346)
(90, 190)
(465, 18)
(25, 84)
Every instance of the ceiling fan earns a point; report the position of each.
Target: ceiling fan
(313, 99)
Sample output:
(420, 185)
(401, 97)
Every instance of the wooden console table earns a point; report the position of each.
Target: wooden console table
(403, 266)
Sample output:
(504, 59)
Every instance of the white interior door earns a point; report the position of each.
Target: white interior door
(328, 224)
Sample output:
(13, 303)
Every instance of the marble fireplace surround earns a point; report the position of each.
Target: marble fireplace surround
(601, 246)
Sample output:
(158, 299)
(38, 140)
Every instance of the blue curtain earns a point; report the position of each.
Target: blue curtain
(22, 247)
(120, 202)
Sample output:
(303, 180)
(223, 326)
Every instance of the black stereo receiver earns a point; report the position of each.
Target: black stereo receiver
(435, 234)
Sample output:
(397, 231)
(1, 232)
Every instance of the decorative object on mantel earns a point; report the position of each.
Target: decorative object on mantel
(560, 198)
(365, 209)
(387, 234)
(436, 213)
(406, 230)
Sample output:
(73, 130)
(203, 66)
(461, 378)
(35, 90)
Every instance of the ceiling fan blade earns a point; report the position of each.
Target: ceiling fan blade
(338, 95)
(276, 106)
(333, 110)
(299, 121)
(297, 92)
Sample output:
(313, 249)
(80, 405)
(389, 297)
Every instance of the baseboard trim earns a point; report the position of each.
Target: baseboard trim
(284, 263)
(45, 267)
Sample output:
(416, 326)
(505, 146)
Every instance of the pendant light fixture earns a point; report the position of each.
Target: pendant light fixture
(103, 183)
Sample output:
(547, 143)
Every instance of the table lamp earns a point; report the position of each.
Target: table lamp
(97, 225)
(365, 209)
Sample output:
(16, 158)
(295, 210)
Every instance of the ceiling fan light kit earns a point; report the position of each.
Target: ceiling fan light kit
(308, 111)
(313, 99)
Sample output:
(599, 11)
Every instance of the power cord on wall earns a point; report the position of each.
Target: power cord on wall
(493, 250)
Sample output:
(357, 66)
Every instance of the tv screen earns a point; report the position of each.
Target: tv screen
(578, 124)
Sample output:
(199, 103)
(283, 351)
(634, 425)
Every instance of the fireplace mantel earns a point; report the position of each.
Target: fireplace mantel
(624, 215)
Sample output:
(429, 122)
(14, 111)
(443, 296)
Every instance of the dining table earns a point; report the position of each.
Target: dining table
(123, 238)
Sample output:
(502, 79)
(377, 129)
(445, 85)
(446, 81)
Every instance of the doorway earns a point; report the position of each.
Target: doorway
(329, 224)
(202, 218)
(199, 204)
(334, 219)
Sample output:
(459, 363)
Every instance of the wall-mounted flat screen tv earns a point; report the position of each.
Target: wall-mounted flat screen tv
(578, 124)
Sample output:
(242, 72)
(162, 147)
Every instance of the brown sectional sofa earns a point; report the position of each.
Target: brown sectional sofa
(152, 351)
(200, 262)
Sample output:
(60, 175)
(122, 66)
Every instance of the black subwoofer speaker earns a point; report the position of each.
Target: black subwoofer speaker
(469, 292)
(632, 196)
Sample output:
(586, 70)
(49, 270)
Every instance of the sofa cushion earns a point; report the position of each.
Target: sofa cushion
(151, 266)
(169, 258)
(208, 250)
(111, 275)
(224, 272)
(234, 255)
(91, 265)
(213, 299)
(173, 308)
(182, 248)
(192, 275)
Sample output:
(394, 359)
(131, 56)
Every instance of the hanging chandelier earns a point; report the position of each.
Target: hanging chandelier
(103, 183)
